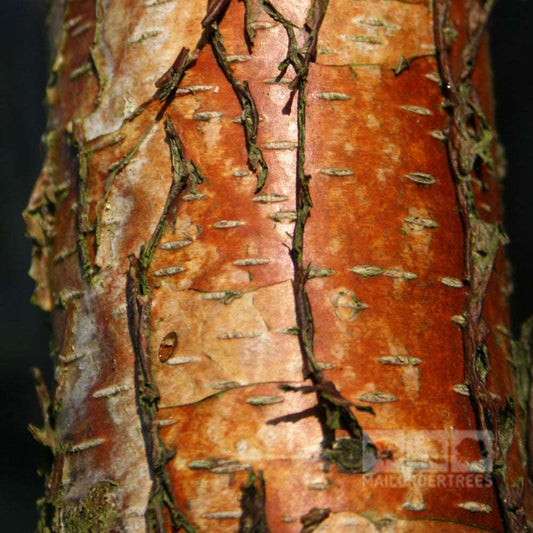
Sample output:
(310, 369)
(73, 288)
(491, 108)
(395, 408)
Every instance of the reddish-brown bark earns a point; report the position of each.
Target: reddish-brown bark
(268, 271)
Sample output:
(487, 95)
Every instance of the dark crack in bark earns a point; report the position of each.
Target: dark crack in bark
(356, 453)
(168, 84)
(89, 231)
(84, 228)
(250, 116)
(139, 300)
(253, 496)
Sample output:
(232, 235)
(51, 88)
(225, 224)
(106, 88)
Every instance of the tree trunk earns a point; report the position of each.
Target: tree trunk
(269, 233)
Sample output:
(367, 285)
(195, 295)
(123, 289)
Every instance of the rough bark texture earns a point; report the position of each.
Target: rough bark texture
(269, 233)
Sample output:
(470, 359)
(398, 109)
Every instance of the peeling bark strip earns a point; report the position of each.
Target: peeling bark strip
(355, 454)
(161, 497)
(139, 298)
(469, 145)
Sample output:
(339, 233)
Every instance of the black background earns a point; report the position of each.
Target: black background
(24, 338)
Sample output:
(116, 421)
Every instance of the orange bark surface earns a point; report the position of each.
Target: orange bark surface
(383, 253)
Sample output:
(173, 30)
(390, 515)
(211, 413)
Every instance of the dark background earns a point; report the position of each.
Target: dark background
(24, 338)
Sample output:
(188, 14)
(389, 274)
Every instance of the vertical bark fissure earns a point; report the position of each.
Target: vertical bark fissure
(169, 83)
(83, 225)
(86, 227)
(139, 292)
(250, 116)
(139, 300)
(468, 144)
(253, 496)
(356, 453)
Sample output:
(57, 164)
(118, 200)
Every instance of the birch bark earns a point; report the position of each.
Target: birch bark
(269, 234)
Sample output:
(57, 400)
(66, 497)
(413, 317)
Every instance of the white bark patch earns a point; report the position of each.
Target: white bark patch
(220, 295)
(239, 335)
(72, 357)
(378, 397)
(320, 272)
(230, 468)
(280, 145)
(456, 283)
(332, 96)
(364, 39)
(86, 445)
(169, 271)
(439, 135)
(422, 222)
(319, 485)
(399, 274)
(227, 224)
(193, 89)
(207, 116)
(416, 465)
(461, 389)
(251, 261)
(175, 245)
(476, 507)
(238, 58)
(264, 400)
(283, 217)
(337, 171)
(325, 365)
(83, 371)
(241, 172)
(400, 360)
(367, 270)
(183, 360)
(414, 505)
(434, 77)
(269, 198)
(421, 178)
(224, 385)
(411, 381)
(478, 467)
(417, 110)
(165, 422)
(276, 81)
(112, 391)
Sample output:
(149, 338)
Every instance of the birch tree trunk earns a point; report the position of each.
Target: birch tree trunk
(269, 234)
